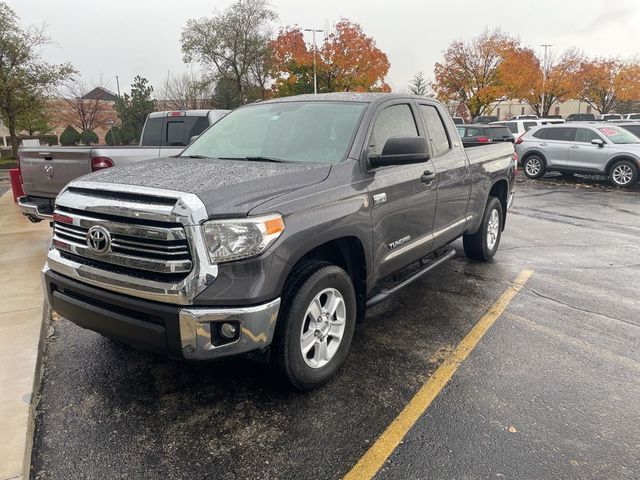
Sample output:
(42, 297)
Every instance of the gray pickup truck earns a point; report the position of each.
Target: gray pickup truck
(272, 233)
(46, 170)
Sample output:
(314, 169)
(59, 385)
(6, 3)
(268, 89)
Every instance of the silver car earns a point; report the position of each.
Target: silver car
(595, 148)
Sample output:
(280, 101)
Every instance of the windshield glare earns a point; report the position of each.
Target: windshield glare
(289, 131)
(618, 135)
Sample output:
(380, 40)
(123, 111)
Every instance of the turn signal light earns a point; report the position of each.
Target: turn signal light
(100, 163)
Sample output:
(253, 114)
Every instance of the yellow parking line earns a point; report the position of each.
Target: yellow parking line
(384, 446)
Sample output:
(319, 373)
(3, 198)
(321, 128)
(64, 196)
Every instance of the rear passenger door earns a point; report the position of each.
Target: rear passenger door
(452, 176)
(556, 145)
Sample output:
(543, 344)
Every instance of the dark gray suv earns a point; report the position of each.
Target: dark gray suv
(594, 148)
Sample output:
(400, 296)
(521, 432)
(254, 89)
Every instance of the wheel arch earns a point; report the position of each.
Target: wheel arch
(531, 153)
(618, 158)
(500, 190)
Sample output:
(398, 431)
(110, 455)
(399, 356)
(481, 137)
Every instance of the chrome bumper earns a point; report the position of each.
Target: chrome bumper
(257, 325)
(31, 209)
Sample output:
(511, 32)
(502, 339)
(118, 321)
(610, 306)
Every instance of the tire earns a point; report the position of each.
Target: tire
(534, 167)
(314, 282)
(623, 173)
(483, 244)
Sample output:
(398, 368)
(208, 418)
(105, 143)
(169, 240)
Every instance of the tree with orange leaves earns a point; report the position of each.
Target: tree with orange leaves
(521, 74)
(347, 61)
(469, 71)
(605, 83)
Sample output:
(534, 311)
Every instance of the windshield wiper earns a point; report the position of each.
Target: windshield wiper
(258, 158)
(196, 156)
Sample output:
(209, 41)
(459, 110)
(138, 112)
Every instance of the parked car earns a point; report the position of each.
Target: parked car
(45, 170)
(608, 116)
(524, 117)
(581, 117)
(519, 127)
(274, 231)
(485, 119)
(458, 120)
(594, 148)
(479, 134)
(631, 116)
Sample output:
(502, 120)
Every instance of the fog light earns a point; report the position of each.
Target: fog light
(228, 330)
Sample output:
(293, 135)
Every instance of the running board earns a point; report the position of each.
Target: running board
(383, 294)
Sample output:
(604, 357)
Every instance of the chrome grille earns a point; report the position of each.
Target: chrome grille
(161, 248)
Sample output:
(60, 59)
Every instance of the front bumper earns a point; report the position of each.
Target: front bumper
(186, 332)
(36, 208)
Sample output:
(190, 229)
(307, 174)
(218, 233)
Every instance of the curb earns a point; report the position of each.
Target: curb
(35, 391)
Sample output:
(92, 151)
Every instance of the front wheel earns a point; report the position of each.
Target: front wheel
(623, 173)
(483, 244)
(316, 326)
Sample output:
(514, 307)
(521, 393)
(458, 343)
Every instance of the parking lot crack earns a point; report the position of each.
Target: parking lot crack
(585, 310)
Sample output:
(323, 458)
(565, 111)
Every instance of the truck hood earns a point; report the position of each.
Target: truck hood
(226, 187)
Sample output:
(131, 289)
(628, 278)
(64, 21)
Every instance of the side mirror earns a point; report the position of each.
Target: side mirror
(193, 138)
(598, 142)
(401, 151)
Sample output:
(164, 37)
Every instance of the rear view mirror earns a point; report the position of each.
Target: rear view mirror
(598, 142)
(401, 151)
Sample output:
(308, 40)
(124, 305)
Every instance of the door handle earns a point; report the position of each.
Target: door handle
(427, 177)
(542, 144)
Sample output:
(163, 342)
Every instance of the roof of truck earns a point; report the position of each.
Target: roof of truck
(362, 97)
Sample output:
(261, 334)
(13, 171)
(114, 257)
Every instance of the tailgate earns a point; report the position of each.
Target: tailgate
(46, 170)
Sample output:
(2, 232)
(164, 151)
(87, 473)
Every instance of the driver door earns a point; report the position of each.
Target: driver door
(403, 204)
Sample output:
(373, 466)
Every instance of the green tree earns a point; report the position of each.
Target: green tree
(69, 136)
(24, 76)
(234, 47)
(34, 119)
(113, 136)
(89, 137)
(418, 85)
(133, 109)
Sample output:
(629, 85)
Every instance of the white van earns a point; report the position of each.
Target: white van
(520, 127)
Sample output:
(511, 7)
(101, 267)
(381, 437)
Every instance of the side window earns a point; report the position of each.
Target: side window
(541, 133)
(561, 134)
(585, 135)
(152, 134)
(394, 121)
(461, 131)
(512, 126)
(529, 125)
(436, 130)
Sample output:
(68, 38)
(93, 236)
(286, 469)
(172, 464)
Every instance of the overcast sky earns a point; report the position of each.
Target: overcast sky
(130, 37)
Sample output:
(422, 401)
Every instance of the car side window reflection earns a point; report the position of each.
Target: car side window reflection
(393, 122)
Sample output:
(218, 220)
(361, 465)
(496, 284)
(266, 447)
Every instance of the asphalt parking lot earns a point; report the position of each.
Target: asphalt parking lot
(551, 391)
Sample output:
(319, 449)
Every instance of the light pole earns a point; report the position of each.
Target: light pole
(315, 79)
(544, 74)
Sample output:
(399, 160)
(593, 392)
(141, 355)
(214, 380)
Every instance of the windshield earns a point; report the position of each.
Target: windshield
(618, 135)
(289, 131)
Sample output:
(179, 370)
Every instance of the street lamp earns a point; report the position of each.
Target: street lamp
(315, 79)
(544, 73)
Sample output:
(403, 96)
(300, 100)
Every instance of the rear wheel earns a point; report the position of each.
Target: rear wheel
(623, 173)
(316, 325)
(534, 167)
(483, 244)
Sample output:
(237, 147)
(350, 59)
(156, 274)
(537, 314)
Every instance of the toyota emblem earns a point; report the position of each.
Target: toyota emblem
(98, 240)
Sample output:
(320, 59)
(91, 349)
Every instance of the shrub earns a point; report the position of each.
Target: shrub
(48, 139)
(113, 136)
(70, 136)
(89, 137)
(127, 135)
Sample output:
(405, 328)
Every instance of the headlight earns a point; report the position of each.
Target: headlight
(229, 240)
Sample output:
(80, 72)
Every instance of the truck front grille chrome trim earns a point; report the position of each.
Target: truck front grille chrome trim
(165, 246)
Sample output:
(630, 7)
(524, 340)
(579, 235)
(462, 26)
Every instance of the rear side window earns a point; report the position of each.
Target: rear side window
(512, 126)
(585, 135)
(541, 134)
(635, 129)
(529, 125)
(152, 133)
(561, 134)
(436, 130)
(181, 129)
(394, 121)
